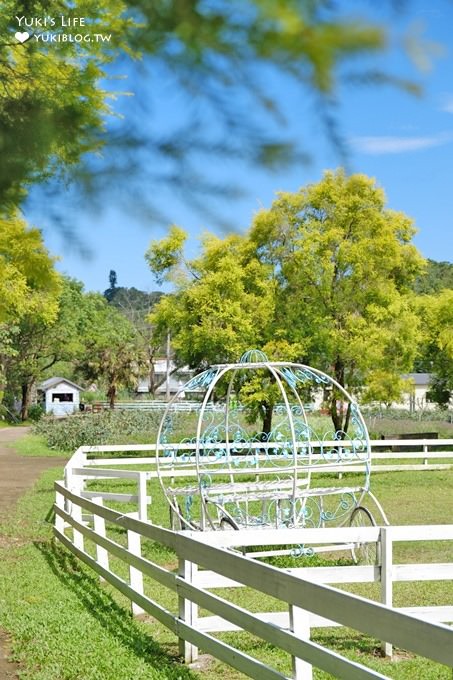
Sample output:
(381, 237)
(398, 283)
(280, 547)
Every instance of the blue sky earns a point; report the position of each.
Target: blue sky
(405, 142)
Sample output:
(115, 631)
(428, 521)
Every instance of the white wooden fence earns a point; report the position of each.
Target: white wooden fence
(84, 465)
(386, 572)
(151, 405)
(206, 561)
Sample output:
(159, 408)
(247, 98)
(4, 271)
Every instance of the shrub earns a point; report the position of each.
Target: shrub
(35, 412)
(91, 397)
(90, 429)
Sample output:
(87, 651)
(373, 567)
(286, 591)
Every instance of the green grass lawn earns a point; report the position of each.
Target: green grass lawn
(6, 423)
(382, 425)
(65, 625)
(35, 445)
(409, 498)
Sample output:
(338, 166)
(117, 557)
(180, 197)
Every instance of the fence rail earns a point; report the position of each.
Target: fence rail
(425, 450)
(149, 405)
(88, 463)
(207, 561)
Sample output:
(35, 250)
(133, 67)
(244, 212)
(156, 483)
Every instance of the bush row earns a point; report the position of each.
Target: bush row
(438, 414)
(91, 429)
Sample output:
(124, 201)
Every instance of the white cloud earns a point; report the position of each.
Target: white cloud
(447, 104)
(385, 145)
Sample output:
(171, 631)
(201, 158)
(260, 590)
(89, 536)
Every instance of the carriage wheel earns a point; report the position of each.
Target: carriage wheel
(226, 524)
(364, 553)
(177, 523)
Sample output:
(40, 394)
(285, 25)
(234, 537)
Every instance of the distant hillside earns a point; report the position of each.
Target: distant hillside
(135, 304)
(438, 275)
(134, 299)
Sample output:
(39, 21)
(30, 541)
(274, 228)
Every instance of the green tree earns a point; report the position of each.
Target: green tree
(112, 353)
(109, 294)
(52, 107)
(223, 303)
(327, 270)
(136, 305)
(38, 344)
(438, 275)
(385, 388)
(29, 285)
(344, 264)
(437, 318)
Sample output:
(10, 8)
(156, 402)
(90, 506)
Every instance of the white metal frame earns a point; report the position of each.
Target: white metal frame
(298, 488)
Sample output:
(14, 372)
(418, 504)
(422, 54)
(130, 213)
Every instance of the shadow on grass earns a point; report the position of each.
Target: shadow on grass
(112, 617)
(347, 641)
(50, 516)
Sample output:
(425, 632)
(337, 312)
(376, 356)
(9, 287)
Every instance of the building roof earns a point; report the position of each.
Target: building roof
(418, 378)
(53, 382)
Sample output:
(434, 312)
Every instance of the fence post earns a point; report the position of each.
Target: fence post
(194, 610)
(102, 555)
(135, 575)
(60, 503)
(425, 450)
(142, 497)
(386, 578)
(78, 537)
(74, 482)
(68, 485)
(187, 612)
(299, 624)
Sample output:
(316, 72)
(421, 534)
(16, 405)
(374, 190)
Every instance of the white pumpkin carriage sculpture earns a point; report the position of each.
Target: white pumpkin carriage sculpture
(229, 476)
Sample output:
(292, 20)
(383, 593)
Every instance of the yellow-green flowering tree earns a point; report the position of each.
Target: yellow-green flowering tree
(327, 270)
(29, 284)
(436, 312)
(222, 304)
(344, 264)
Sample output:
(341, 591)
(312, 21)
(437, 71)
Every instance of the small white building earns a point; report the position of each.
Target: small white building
(177, 379)
(416, 398)
(60, 397)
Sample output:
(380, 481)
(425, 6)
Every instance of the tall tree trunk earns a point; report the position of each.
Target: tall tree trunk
(112, 395)
(151, 376)
(335, 414)
(336, 402)
(26, 399)
(267, 418)
(348, 418)
(2, 377)
(2, 386)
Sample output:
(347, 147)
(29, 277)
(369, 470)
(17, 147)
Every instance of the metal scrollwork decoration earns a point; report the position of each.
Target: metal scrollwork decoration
(247, 459)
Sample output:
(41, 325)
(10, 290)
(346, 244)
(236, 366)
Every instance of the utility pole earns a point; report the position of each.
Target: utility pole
(167, 379)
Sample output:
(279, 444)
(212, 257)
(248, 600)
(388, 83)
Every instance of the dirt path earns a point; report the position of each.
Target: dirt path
(17, 475)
